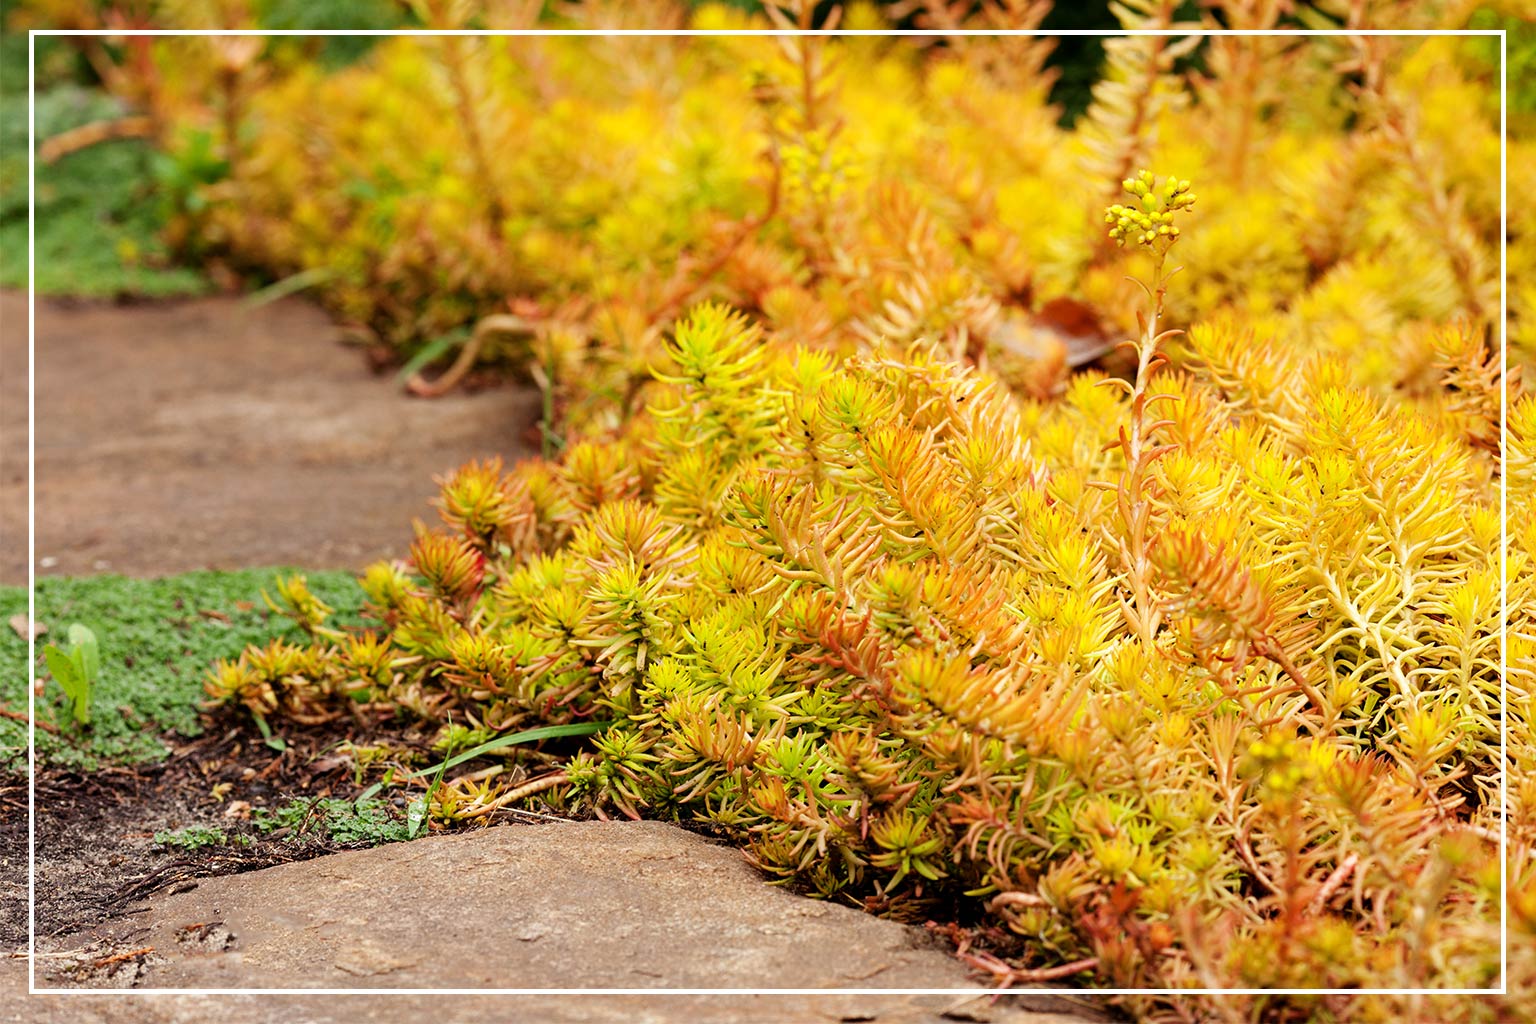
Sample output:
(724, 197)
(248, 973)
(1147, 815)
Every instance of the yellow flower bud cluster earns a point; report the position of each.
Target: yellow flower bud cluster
(815, 171)
(1283, 764)
(1150, 219)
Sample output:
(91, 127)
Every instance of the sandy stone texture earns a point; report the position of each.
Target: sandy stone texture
(633, 905)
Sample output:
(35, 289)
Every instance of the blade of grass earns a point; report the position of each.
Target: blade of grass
(543, 732)
(287, 286)
(419, 811)
(432, 350)
(275, 742)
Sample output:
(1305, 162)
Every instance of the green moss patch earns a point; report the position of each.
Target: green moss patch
(157, 640)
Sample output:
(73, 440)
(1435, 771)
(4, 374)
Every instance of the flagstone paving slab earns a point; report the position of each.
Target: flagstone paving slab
(631, 905)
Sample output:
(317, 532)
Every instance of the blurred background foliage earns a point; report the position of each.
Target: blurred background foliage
(101, 228)
(99, 223)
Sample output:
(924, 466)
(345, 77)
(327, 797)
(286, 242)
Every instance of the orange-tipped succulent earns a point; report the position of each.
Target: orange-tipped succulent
(1183, 670)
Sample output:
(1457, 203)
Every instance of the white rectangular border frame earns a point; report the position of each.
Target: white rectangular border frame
(31, 521)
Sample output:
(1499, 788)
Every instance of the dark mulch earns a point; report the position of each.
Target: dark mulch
(96, 854)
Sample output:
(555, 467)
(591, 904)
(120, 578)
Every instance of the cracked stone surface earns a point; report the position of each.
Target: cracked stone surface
(604, 905)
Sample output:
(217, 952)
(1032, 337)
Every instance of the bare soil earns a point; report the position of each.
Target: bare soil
(96, 854)
(196, 434)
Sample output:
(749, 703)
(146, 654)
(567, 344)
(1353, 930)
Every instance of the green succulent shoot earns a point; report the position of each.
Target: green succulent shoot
(76, 670)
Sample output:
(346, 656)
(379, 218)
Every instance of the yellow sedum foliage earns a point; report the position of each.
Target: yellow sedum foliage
(874, 619)
(1179, 669)
(840, 189)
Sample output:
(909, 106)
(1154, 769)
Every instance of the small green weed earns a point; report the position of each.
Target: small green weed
(372, 822)
(195, 837)
(76, 670)
(456, 738)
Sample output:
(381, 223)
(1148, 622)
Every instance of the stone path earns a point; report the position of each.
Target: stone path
(196, 434)
(131, 1008)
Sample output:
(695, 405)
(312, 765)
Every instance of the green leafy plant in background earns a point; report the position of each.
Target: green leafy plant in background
(182, 175)
(99, 223)
(76, 670)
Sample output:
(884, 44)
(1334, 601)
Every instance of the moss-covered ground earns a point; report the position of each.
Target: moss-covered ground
(157, 637)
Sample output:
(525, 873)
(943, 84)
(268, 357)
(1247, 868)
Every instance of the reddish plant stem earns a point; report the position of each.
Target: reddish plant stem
(17, 716)
(1142, 613)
